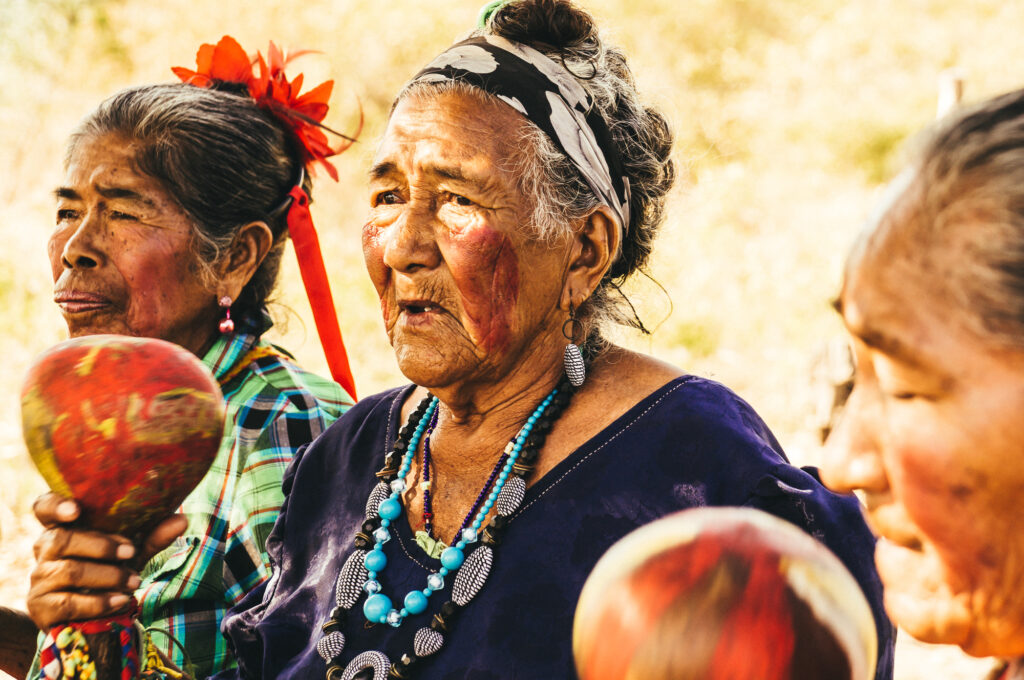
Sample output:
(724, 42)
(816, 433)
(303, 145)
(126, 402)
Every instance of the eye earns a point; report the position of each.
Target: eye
(118, 215)
(389, 197)
(66, 214)
(907, 396)
(461, 200)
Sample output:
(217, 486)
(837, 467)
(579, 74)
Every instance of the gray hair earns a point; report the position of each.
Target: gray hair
(224, 161)
(559, 194)
(967, 196)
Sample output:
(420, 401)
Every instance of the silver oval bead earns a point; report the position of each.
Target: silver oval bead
(331, 645)
(472, 575)
(377, 496)
(511, 495)
(373, 660)
(427, 641)
(575, 369)
(350, 580)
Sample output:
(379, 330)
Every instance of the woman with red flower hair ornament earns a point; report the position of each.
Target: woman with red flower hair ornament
(171, 222)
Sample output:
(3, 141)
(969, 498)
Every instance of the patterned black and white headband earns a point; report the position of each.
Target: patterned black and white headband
(551, 98)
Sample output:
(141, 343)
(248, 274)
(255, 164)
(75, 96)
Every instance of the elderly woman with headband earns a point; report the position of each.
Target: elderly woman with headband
(932, 434)
(171, 222)
(445, 528)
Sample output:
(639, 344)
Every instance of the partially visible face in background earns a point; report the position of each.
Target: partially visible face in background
(933, 436)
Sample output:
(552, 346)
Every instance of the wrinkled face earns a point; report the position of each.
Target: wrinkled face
(120, 253)
(933, 434)
(465, 292)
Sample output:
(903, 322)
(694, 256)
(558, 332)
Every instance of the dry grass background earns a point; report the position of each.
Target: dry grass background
(789, 115)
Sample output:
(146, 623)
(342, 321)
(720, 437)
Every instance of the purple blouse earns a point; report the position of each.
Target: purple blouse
(690, 443)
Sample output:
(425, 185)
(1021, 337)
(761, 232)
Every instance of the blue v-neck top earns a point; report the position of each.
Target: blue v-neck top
(690, 443)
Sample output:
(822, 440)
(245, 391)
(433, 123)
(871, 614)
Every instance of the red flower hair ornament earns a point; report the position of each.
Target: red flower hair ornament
(302, 114)
(270, 88)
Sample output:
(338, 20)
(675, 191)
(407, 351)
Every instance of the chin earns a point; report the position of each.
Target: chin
(918, 597)
(81, 330)
(934, 619)
(428, 365)
(996, 638)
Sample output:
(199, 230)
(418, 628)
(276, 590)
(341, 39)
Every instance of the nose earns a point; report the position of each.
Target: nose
(409, 242)
(79, 246)
(852, 458)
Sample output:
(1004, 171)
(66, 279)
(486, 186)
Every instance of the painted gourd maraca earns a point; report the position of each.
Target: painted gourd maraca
(722, 594)
(126, 426)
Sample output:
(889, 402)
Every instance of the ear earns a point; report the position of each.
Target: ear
(236, 268)
(594, 246)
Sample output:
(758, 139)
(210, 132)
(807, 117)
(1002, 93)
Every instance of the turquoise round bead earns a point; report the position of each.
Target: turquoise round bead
(375, 560)
(376, 607)
(415, 602)
(390, 508)
(452, 558)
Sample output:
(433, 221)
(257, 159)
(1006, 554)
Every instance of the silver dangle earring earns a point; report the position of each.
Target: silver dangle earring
(226, 324)
(575, 369)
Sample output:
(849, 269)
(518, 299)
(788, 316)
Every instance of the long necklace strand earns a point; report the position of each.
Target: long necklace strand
(428, 511)
(358, 574)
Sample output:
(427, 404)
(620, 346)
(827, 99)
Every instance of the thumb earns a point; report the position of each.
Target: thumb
(161, 537)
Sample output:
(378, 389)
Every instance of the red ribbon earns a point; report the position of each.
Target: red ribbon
(318, 290)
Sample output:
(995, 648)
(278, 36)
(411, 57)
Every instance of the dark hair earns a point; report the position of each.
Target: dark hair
(967, 193)
(225, 161)
(640, 133)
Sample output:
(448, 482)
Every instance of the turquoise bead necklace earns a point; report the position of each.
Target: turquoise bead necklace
(378, 607)
(468, 563)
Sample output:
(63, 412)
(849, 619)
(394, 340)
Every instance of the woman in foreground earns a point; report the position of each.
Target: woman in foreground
(932, 434)
(445, 529)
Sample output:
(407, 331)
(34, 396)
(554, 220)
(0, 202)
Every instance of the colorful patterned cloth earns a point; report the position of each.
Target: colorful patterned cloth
(65, 652)
(273, 408)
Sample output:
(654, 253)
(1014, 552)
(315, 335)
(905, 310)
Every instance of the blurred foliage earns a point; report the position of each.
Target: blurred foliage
(870, 146)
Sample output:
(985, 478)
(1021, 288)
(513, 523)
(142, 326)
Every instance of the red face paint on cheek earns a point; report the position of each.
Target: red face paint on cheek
(486, 273)
(373, 256)
(153, 290)
(944, 499)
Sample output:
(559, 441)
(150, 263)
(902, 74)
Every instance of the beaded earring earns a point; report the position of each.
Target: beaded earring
(226, 324)
(575, 369)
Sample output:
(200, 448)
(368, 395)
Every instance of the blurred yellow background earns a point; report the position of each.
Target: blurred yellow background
(789, 115)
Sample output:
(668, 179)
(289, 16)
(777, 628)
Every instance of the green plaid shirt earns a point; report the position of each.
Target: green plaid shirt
(273, 408)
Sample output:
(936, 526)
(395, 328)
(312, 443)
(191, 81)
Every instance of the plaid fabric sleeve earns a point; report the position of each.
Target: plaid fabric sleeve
(258, 497)
(274, 407)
